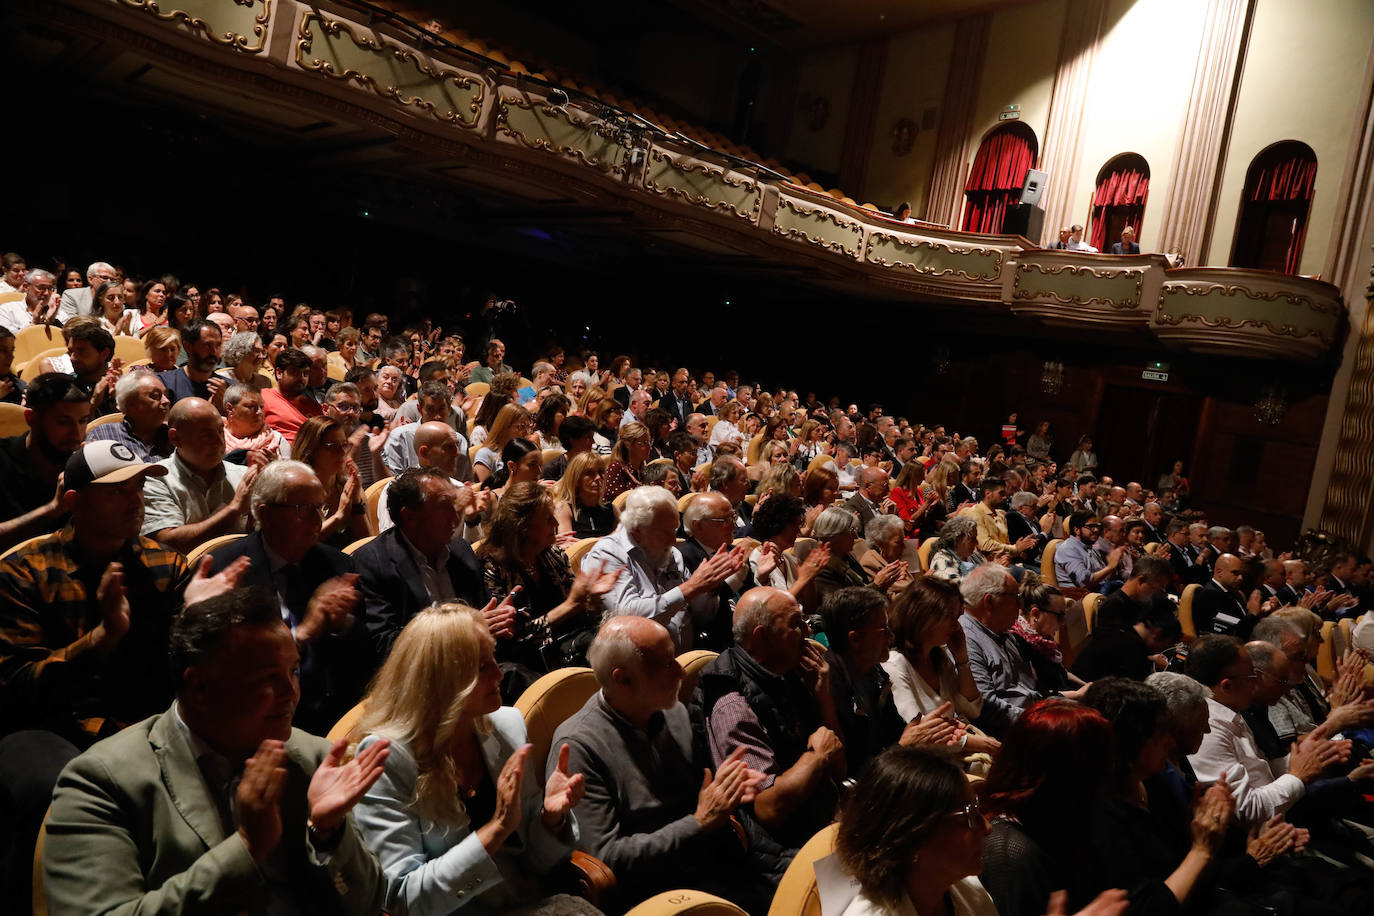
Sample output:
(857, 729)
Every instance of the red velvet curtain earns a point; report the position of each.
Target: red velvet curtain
(1125, 187)
(1288, 179)
(995, 180)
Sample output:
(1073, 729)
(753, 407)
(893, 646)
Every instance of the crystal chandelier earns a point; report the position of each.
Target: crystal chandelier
(1052, 377)
(1271, 405)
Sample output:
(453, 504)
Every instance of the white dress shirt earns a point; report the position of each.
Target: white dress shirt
(646, 591)
(1230, 750)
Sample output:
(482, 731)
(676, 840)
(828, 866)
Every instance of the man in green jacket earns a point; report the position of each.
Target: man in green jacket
(217, 804)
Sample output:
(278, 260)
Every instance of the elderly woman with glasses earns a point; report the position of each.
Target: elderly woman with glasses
(323, 444)
(882, 561)
(245, 424)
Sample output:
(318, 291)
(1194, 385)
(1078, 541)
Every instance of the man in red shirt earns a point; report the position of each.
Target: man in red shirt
(288, 406)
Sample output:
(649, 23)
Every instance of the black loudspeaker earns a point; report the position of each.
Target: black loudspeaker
(1024, 219)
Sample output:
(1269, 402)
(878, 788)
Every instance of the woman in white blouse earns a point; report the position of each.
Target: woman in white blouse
(929, 665)
(725, 429)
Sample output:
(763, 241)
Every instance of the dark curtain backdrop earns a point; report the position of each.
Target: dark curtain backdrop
(1119, 202)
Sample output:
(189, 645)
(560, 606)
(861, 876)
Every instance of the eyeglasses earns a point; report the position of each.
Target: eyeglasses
(972, 813)
(333, 446)
(317, 509)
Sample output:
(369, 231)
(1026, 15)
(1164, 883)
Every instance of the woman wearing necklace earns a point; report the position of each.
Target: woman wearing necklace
(462, 816)
(556, 613)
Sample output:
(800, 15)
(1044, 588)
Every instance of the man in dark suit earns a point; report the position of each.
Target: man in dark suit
(676, 401)
(417, 561)
(965, 491)
(874, 485)
(1127, 245)
(1294, 584)
(1153, 517)
(1021, 522)
(709, 520)
(1176, 550)
(315, 585)
(1220, 607)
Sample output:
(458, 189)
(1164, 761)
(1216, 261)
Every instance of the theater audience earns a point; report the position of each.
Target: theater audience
(287, 406)
(322, 444)
(883, 560)
(201, 496)
(197, 378)
(1004, 675)
(653, 581)
(246, 429)
(155, 819)
(314, 585)
(708, 522)
(628, 456)
(461, 815)
(56, 411)
(1218, 663)
(653, 810)
(556, 610)
(956, 551)
(578, 505)
(770, 694)
(142, 399)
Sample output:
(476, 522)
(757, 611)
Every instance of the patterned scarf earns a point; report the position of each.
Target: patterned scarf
(1046, 647)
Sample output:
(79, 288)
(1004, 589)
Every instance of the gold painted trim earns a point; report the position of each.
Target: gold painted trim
(227, 39)
(1123, 304)
(333, 27)
(503, 126)
(701, 200)
(996, 253)
(837, 247)
(1227, 322)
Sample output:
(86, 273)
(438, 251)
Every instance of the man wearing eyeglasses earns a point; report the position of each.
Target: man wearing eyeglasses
(315, 585)
(201, 496)
(1077, 563)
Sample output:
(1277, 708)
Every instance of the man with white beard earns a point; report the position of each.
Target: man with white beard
(653, 580)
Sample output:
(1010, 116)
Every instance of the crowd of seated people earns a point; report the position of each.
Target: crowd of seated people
(302, 525)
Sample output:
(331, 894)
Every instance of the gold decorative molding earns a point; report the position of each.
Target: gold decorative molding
(1123, 303)
(750, 188)
(573, 139)
(819, 218)
(436, 83)
(193, 13)
(1346, 508)
(1171, 292)
(878, 237)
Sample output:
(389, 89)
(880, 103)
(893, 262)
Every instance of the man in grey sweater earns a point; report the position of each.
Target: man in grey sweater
(653, 811)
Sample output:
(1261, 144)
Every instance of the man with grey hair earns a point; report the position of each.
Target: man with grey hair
(1221, 538)
(1004, 676)
(709, 521)
(638, 407)
(1153, 517)
(1186, 715)
(78, 301)
(698, 427)
(225, 322)
(653, 810)
(1022, 523)
(653, 580)
(770, 695)
(201, 496)
(38, 305)
(142, 398)
(314, 583)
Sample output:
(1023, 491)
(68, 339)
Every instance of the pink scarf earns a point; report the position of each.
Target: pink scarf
(1046, 647)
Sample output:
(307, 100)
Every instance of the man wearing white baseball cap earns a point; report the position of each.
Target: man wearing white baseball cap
(84, 619)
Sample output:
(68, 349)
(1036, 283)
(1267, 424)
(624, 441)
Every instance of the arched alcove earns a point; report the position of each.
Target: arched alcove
(1123, 184)
(997, 174)
(1274, 207)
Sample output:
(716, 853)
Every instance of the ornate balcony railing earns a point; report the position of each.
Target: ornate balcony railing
(505, 121)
